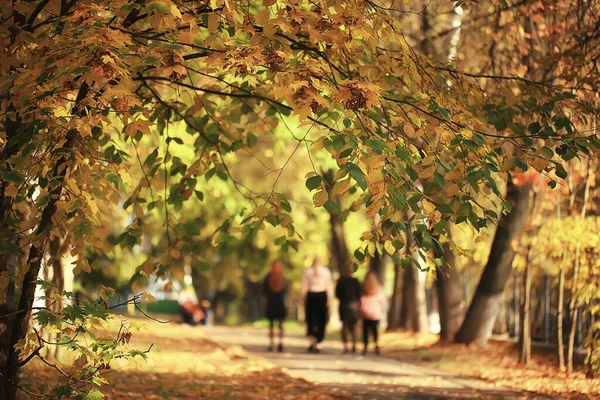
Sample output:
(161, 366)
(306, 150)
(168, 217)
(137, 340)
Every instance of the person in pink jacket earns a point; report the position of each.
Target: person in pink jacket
(372, 306)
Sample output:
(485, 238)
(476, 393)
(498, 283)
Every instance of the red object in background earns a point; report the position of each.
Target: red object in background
(193, 310)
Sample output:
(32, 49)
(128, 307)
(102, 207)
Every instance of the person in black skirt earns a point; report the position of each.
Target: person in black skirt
(317, 293)
(274, 288)
(348, 290)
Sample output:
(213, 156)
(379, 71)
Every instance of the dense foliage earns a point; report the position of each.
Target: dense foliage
(127, 110)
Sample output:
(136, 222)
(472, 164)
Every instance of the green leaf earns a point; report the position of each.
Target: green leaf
(251, 140)
(332, 207)
(202, 265)
(534, 127)
(313, 182)
(347, 122)
(560, 171)
(91, 395)
(13, 176)
(357, 174)
(359, 255)
(115, 179)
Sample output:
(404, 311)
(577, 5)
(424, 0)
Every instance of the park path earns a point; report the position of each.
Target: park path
(364, 377)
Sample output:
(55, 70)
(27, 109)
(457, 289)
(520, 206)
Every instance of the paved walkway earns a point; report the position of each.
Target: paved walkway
(368, 377)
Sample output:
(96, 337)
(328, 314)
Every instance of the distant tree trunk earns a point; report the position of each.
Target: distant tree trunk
(479, 321)
(449, 293)
(559, 323)
(200, 284)
(396, 303)
(378, 264)
(573, 303)
(413, 315)
(339, 248)
(525, 337)
(252, 305)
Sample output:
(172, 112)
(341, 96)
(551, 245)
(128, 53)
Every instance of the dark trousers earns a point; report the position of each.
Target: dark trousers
(316, 315)
(349, 327)
(272, 330)
(373, 326)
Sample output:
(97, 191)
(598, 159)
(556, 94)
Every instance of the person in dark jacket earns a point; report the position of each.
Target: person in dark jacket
(348, 291)
(274, 288)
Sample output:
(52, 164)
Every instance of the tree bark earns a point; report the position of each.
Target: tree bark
(378, 264)
(396, 303)
(8, 388)
(252, 305)
(559, 323)
(525, 337)
(449, 295)
(200, 284)
(573, 303)
(479, 321)
(413, 314)
(339, 247)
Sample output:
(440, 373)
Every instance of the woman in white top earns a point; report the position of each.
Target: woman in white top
(317, 293)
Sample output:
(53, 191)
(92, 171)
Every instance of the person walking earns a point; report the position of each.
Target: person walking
(348, 290)
(317, 293)
(372, 306)
(274, 288)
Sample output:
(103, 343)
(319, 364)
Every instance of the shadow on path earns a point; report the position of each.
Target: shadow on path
(364, 377)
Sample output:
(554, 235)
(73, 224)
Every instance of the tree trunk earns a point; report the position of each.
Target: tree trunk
(525, 337)
(21, 326)
(339, 248)
(413, 315)
(58, 277)
(200, 284)
(378, 264)
(573, 303)
(449, 295)
(252, 305)
(559, 323)
(396, 303)
(479, 321)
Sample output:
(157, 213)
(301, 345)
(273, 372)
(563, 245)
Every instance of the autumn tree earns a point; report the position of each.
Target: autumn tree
(80, 78)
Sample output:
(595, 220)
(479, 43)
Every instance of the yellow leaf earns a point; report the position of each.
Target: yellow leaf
(11, 191)
(320, 198)
(269, 30)
(427, 206)
(340, 186)
(452, 189)
(175, 253)
(303, 112)
(389, 247)
(213, 22)
(4, 279)
(427, 172)
(175, 11)
(139, 211)
(262, 212)
(85, 266)
(373, 208)
(377, 189)
(435, 217)
(452, 175)
(148, 267)
(148, 297)
(80, 362)
(508, 163)
(371, 248)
